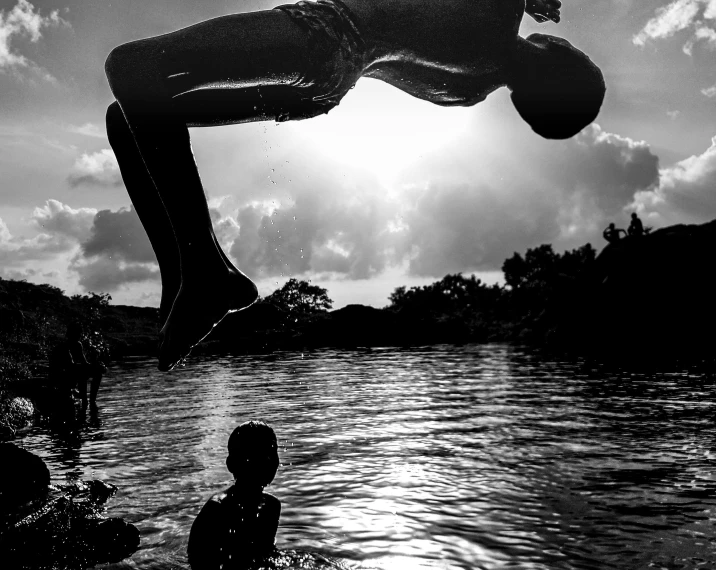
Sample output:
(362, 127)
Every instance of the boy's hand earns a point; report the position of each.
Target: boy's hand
(543, 10)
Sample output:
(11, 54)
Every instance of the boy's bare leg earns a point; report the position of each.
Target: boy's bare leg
(149, 207)
(147, 204)
(238, 52)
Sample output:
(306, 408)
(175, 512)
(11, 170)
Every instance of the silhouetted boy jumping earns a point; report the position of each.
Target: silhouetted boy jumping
(295, 62)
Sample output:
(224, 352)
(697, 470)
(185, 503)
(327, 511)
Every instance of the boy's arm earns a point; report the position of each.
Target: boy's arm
(203, 549)
(543, 10)
(271, 517)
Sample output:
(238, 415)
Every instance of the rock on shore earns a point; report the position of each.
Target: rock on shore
(55, 527)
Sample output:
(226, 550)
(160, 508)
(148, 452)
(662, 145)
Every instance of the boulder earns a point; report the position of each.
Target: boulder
(649, 295)
(56, 527)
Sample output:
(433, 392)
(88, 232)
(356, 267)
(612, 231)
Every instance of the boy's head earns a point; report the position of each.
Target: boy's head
(558, 90)
(253, 453)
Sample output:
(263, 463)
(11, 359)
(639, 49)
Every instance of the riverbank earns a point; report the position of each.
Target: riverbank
(645, 299)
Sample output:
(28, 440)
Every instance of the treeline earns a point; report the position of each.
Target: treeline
(33, 319)
(457, 308)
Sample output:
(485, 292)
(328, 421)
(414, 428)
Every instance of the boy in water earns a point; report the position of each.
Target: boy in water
(238, 526)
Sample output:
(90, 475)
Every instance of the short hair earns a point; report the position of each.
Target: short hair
(256, 440)
(563, 93)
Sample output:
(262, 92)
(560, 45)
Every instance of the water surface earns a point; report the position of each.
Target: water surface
(445, 457)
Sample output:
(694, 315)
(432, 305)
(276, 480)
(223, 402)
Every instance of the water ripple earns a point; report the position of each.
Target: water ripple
(442, 457)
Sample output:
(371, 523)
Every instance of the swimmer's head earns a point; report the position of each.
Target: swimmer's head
(253, 454)
(557, 89)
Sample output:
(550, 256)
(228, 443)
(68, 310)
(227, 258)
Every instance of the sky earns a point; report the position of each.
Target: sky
(386, 190)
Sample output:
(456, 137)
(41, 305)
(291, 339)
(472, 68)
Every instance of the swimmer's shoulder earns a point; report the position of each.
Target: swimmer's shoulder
(217, 500)
(271, 504)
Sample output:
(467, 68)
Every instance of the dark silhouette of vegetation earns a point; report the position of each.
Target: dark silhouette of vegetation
(566, 299)
(300, 298)
(519, 310)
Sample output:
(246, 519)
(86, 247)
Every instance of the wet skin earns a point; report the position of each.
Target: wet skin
(452, 53)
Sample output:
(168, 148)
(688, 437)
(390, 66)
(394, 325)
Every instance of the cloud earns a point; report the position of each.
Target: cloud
(116, 252)
(23, 21)
(564, 194)
(104, 274)
(467, 228)
(120, 235)
(680, 15)
(326, 230)
(60, 219)
(685, 193)
(62, 228)
(89, 130)
(674, 17)
(709, 91)
(98, 169)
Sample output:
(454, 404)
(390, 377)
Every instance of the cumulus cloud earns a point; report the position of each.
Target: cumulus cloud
(466, 228)
(61, 227)
(60, 219)
(709, 91)
(326, 231)
(564, 195)
(120, 235)
(104, 274)
(98, 169)
(23, 21)
(695, 15)
(117, 252)
(685, 193)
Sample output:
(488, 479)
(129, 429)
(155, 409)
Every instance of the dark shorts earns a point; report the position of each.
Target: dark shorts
(336, 58)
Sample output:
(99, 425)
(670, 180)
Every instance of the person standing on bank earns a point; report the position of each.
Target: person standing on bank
(70, 370)
(295, 62)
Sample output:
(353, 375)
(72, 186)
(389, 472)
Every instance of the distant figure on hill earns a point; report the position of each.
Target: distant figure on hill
(636, 228)
(70, 371)
(296, 62)
(237, 527)
(613, 234)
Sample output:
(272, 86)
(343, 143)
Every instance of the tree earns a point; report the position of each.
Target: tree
(301, 297)
(542, 265)
(452, 294)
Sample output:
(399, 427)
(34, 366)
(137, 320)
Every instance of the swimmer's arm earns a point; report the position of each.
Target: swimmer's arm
(203, 549)
(543, 10)
(271, 515)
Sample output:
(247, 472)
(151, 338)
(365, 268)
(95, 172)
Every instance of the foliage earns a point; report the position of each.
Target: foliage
(301, 298)
(33, 319)
(452, 293)
(541, 264)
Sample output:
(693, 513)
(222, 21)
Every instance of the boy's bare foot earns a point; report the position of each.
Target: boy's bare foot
(199, 306)
(543, 10)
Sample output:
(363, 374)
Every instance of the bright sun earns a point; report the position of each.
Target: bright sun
(381, 129)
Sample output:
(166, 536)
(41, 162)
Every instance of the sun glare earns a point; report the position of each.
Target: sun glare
(381, 129)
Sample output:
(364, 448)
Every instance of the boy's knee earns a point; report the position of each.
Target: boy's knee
(114, 114)
(117, 61)
(128, 64)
